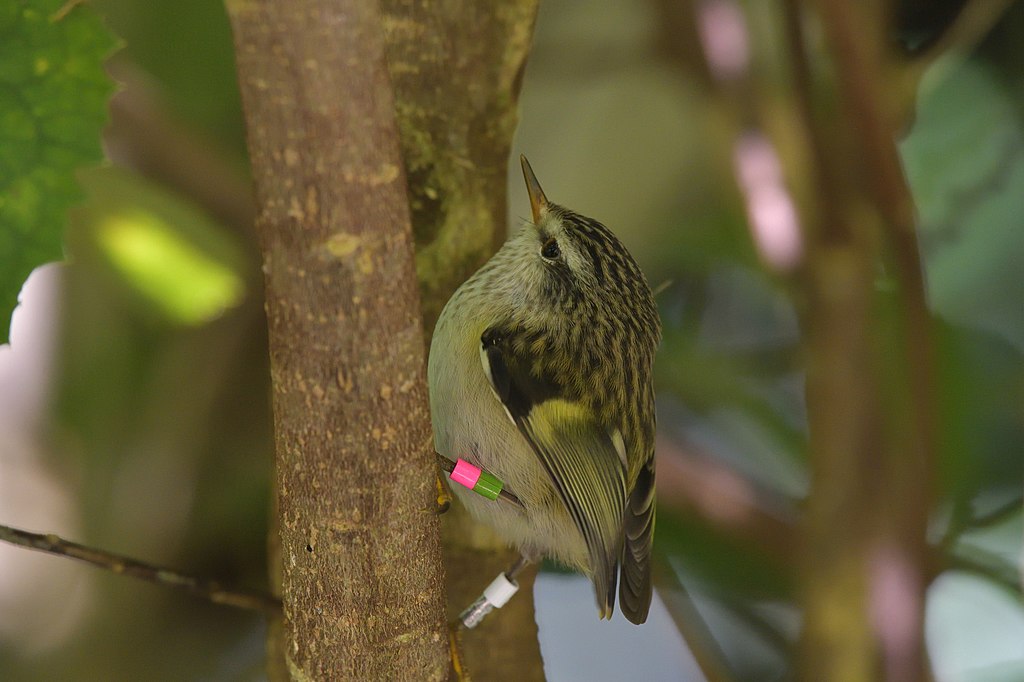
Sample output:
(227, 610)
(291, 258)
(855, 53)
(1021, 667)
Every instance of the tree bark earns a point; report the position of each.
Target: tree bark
(457, 68)
(362, 581)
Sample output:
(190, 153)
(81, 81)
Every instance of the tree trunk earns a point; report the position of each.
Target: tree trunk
(457, 67)
(362, 579)
(870, 386)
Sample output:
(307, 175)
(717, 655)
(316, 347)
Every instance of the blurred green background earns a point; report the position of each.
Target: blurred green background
(134, 409)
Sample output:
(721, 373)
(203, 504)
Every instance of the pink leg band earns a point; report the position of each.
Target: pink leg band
(465, 473)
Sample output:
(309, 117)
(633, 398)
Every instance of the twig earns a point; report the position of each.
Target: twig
(964, 519)
(997, 515)
(972, 24)
(199, 587)
(825, 201)
(661, 288)
(144, 137)
(695, 632)
(60, 14)
(759, 625)
(991, 567)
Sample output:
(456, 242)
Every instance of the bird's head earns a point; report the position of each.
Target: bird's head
(568, 264)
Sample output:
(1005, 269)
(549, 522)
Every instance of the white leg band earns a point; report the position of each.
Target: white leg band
(500, 590)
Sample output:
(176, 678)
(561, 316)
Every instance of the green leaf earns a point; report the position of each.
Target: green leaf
(53, 105)
(965, 164)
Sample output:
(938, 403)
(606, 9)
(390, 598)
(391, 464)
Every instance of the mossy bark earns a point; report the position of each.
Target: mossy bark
(457, 67)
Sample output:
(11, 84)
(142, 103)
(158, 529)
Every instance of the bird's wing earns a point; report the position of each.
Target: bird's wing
(585, 459)
(635, 589)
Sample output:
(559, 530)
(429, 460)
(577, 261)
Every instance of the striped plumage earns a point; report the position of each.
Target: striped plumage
(540, 371)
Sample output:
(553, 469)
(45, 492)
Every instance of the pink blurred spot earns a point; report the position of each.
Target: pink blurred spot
(723, 32)
(895, 608)
(770, 208)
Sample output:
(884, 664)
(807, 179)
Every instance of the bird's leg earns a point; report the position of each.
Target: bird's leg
(444, 498)
(492, 598)
(495, 596)
(522, 562)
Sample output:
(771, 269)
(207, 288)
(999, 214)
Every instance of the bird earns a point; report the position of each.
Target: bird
(540, 373)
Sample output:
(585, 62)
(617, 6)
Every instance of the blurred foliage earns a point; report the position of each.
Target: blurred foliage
(159, 425)
(965, 162)
(185, 48)
(167, 251)
(53, 103)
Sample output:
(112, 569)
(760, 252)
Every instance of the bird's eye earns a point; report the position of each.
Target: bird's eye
(550, 250)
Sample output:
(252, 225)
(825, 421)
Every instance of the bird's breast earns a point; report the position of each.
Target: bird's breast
(470, 422)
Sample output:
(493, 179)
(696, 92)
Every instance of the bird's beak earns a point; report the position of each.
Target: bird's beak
(538, 202)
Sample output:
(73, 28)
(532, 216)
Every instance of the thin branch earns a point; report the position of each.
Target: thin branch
(758, 624)
(997, 515)
(695, 632)
(972, 24)
(964, 519)
(199, 587)
(825, 201)
(991, 567)
(144, 137)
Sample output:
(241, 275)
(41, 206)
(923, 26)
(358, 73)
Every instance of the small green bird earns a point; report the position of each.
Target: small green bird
(540, 373)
